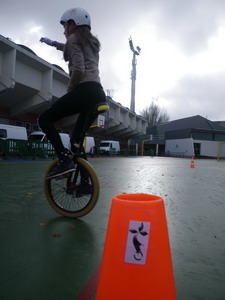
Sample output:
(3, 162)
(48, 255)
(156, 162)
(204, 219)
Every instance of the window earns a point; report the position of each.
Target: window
(35, 127)
(28, 126)
(4, 121)
(3, 133)
(220, 137)
(19, 123)
(202, 136)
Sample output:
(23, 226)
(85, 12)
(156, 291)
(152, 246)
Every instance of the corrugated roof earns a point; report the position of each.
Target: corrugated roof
(221, 123)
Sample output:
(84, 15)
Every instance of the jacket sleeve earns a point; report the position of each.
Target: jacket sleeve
(60, 46)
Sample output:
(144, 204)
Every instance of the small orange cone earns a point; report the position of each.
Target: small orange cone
(192, 165)
(136, 262)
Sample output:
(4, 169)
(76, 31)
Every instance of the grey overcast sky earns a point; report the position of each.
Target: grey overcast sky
(182, 60)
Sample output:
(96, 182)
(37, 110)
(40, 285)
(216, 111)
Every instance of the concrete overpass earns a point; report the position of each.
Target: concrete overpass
(29, 84)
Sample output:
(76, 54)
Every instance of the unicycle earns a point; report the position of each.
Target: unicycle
(64, 193)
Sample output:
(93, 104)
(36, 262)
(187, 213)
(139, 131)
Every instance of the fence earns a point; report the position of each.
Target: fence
(25, 149)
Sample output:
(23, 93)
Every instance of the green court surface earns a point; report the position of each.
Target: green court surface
(44, 256)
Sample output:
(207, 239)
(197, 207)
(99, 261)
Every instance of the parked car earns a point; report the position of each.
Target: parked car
(12, 132)
(107, 147)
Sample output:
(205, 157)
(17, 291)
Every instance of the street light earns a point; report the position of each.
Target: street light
(136, 52)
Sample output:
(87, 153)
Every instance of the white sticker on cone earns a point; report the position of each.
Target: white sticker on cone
(137, 242)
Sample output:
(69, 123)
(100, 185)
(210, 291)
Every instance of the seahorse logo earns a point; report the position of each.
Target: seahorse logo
(138, 255)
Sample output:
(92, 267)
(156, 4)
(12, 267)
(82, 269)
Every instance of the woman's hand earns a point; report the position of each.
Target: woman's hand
(48, 41)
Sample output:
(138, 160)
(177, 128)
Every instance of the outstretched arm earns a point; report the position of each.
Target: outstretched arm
(47, 41)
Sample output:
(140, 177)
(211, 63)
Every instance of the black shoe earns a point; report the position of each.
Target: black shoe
(83, 189)
(62, 168)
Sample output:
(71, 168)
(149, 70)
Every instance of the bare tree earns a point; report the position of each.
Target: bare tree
(154, 114)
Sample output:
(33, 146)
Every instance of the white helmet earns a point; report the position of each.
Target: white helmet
(79, 15)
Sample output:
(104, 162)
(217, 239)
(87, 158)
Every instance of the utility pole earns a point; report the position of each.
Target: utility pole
(136, 52)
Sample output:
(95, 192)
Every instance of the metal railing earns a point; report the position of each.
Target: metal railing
(25, 149)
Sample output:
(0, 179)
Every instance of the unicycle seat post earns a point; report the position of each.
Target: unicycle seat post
(91, 115)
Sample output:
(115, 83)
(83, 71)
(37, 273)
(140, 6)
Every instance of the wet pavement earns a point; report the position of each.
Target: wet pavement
(46, 256)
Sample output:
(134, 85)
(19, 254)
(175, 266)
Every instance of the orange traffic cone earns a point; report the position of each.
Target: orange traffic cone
(192, 165)
(136, 261)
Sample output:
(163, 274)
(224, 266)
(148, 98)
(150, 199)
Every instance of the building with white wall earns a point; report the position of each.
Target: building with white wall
(192, 136)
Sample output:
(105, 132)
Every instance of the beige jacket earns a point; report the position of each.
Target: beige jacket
(83, 64)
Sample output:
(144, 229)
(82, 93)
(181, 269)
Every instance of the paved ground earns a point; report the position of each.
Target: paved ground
(36, 265)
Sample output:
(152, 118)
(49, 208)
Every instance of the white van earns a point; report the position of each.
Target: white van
(41, 136)
(89, 145)
(89, 142)
(12, 132)
(106, 147)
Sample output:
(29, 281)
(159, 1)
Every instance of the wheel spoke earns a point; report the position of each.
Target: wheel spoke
(65, 194)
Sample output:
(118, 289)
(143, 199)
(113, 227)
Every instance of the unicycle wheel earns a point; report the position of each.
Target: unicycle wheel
(68, 195)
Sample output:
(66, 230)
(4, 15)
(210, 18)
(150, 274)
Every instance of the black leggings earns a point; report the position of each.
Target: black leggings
(80, 100)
